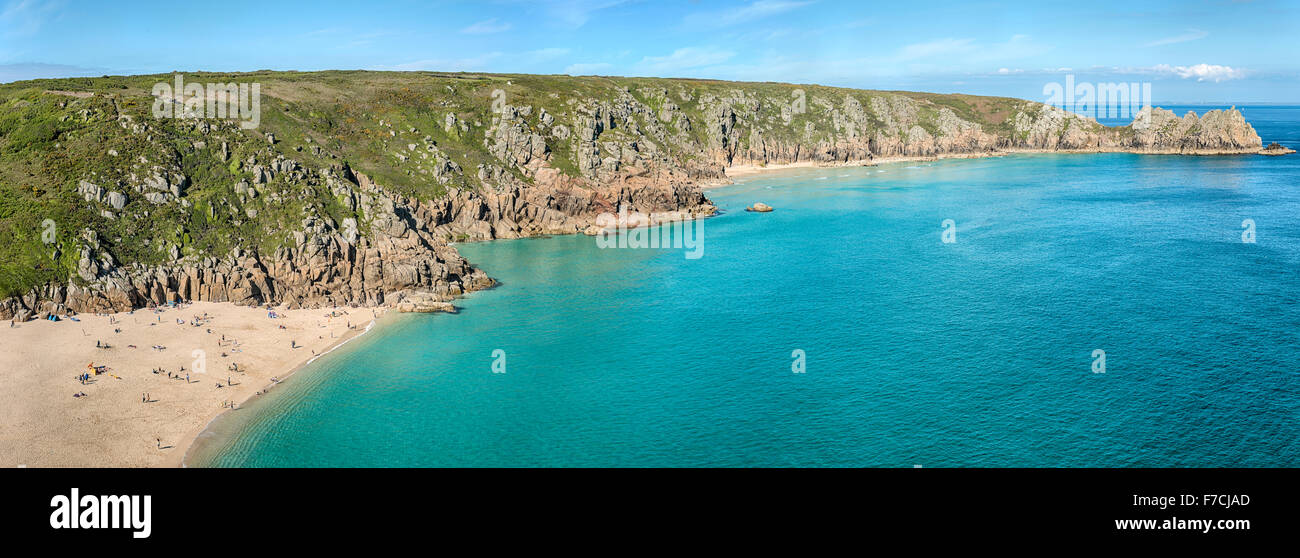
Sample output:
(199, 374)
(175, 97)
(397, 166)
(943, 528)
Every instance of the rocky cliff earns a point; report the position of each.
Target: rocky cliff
(356, 184)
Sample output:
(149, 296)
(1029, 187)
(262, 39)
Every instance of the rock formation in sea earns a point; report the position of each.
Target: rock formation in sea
(1276, 148)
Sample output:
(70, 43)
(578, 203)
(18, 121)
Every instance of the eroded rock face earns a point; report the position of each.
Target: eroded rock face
(637, 150)
(1154, 130)
(1054, 128)
(321, 266)
(1215, 131)
(891, 126)
(406, 261)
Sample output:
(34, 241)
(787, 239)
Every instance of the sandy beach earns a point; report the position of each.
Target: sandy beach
(737, 171)
(241, 349)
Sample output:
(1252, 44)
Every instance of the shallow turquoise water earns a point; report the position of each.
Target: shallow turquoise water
(977, 353)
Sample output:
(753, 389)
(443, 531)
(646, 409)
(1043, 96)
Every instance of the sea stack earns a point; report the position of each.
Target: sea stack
(1276, 148)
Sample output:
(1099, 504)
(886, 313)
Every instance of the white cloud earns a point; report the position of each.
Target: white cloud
(585, 69)
(682, 59)
(478, 63)
(21, 18)
(743, 14)
(933, 48)
(16, 72)
(952, 57)
(1190, 35)
(958, 54)
(544, 54)
(486, 26)
(575, 13)
(323, 31)
(1202, 72)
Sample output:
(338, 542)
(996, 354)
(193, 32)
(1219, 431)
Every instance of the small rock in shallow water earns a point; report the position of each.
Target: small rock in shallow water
(1276, 148)
(759, 207)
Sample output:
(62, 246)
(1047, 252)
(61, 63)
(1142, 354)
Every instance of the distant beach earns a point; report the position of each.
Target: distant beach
(743, 170)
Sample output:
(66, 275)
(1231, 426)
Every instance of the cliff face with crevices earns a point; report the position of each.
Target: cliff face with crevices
(894, 128)
(356, 185)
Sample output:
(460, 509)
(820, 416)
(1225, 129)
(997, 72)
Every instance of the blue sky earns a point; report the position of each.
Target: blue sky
(1191, 51)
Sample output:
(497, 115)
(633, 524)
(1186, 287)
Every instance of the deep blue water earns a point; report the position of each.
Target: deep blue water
(975, 353)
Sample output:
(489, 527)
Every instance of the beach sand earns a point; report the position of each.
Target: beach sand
(737, 171)
(43, 425)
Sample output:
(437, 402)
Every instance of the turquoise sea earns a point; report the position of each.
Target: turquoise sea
(918, 352)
